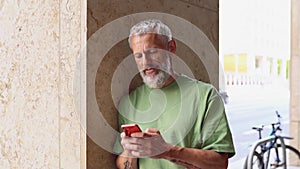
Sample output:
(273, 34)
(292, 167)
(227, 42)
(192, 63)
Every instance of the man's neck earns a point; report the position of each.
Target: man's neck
(171, 79)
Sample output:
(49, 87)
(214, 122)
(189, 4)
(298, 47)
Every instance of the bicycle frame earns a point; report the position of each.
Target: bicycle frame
(269, 148)
(263, 142)
(267, 145)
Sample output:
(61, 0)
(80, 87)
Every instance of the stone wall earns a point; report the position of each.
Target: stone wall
(295, 78)
(111, 72)
(40, 45)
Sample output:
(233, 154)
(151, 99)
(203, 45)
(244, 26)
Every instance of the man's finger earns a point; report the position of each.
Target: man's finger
(138, 134)
(123, 134)
(152, 131)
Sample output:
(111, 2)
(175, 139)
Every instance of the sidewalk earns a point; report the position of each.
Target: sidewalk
(240, 163)
(258, 91)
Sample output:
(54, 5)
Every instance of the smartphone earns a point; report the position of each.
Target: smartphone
(130, 128)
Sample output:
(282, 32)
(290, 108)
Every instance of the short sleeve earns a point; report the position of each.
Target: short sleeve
(215, 132)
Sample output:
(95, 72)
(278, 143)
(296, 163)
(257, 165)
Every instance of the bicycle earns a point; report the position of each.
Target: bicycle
(270, 152)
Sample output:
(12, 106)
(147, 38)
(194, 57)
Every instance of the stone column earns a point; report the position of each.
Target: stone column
(295, 78)
(40, 48)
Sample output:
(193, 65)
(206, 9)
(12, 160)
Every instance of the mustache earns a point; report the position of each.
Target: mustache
(149, 67)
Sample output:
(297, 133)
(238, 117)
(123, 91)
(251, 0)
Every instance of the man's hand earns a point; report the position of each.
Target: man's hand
(151, 144)
(145, 144)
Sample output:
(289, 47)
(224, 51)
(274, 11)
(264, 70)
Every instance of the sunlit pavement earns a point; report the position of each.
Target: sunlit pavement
(239, 165)
(250, 106)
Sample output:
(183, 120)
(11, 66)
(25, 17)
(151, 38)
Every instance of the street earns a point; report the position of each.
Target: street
(254, 106)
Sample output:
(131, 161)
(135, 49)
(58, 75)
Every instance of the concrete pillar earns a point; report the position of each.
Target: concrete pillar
(40, 46)
(295, 78)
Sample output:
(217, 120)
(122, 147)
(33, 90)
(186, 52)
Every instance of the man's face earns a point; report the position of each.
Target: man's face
(152, 59)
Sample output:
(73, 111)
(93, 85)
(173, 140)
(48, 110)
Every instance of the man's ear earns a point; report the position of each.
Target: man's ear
(172, 46)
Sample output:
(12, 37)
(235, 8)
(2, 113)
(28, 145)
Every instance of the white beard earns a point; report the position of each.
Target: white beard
(161, 78)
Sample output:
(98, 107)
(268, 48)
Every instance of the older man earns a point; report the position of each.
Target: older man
(183, 120)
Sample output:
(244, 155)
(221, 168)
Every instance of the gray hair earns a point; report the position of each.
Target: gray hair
(150, 26)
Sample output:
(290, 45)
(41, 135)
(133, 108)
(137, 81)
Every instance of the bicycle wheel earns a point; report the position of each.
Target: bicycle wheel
(292, 156)
(257, 161)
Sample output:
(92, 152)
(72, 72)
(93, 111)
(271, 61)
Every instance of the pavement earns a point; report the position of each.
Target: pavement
(240, 163)
(240, 104)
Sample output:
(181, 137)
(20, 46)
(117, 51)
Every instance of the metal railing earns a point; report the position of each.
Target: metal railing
(264, 141)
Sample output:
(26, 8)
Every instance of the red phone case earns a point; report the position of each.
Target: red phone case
(130, 128)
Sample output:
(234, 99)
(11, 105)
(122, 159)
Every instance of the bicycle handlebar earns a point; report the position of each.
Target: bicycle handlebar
(277, 113)
(275, 126)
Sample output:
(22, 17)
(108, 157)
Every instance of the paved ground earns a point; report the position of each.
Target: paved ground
(254, 105)
(240, 163)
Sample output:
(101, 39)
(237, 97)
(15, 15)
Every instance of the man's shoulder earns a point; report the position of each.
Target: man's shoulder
(194, 81)
(192, 85)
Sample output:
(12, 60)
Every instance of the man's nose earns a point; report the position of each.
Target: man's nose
(146, 59)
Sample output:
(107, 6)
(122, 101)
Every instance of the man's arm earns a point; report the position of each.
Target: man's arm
(192, 158)
(151, 144)
(125, 162)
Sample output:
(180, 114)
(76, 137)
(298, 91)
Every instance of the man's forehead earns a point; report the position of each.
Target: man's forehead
(149, 35)
(147, 38)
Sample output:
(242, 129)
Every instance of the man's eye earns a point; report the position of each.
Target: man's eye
(151, 51)
(137, 55)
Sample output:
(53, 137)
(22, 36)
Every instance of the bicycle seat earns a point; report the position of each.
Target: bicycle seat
(258, 128)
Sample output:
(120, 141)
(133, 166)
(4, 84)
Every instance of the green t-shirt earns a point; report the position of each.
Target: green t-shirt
(188, 113)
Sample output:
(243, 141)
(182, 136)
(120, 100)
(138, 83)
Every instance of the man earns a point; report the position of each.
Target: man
(183, 120)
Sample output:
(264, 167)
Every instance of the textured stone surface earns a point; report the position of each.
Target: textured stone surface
(202, 14)
(295, 133)
(29, 84)
(295, 78)
(39, 45)
(70, 54)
